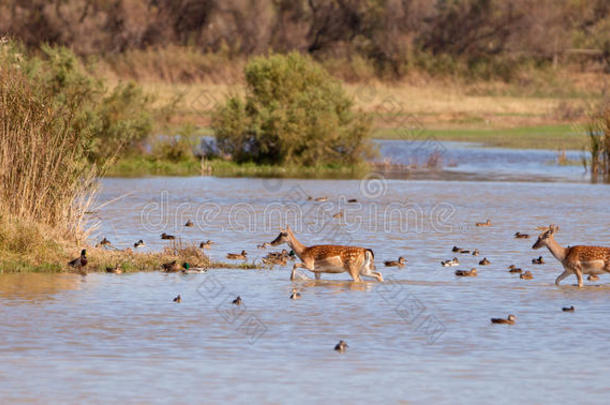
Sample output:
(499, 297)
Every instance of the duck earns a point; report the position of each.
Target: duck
(237, 301)
(520, 235)
(484, 262)
(466, 273)
(321, 199)
(486, 223)
(206, 245)
(295, 294)
(80, 262)
(451, 263)
(189, 270)
(341, 346)
(465, 251)
(338, 215)
(475, 252)
(279, 260)
(178, 299)
(264, 245)
(568, 309)
(527, 275)
(165, 236)
(173, 266)
(538, 260)
(115, 270)
(513, 269)
(456, 249)
(237, 256)
(275, 255)
(188, 223)
(593, 277)
(352, 201)
(396, 263)
(103, 242)
(139, 243)
(510, 320)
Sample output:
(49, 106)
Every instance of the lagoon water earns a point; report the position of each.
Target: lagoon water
(422, 336)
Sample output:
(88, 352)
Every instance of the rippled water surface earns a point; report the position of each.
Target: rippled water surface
(424, 335)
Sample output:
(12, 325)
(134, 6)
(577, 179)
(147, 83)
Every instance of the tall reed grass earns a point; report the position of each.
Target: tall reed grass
(45, 176)
(598, 131)
(59, 128)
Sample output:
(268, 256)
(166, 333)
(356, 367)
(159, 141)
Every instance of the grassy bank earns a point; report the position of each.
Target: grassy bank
(28, 246)
(553, 137)
(147, 166)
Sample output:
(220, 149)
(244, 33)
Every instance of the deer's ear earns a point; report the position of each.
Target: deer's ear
(288, 228)
(281, 229)
(553, 228)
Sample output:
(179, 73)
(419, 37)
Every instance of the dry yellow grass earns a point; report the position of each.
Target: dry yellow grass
(434, 104)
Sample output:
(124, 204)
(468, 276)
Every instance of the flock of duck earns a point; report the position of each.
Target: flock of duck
(281, 258)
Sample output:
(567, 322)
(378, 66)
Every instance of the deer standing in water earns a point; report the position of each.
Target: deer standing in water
(576, 260)
(357, 261)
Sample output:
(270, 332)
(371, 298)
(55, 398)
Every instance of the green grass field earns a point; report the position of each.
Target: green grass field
(139, 166)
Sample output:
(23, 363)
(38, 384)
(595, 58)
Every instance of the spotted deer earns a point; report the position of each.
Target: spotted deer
(576, 260)
(357, 261)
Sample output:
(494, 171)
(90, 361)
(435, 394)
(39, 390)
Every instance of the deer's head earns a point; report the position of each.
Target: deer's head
(545, 236)
(283, 237)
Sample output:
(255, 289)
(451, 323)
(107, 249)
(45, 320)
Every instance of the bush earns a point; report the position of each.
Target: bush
(294, 112)
(114, 120)
(176, 148)
(59, 128)
(43, 153)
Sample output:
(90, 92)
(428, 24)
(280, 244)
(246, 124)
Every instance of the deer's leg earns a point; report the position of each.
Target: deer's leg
(562, 276)
(307, 265)
(578, 273)
(374, 274)
(294, 270)
(354, 271)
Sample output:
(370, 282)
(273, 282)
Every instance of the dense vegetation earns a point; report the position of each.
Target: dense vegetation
(59, 127)
(294, 113)
(480, 38)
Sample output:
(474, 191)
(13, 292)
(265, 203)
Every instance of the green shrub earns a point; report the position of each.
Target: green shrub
(114, 120)
(176, 148)
(294, 112)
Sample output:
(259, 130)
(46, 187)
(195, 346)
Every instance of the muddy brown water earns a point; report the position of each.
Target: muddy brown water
(422, 336)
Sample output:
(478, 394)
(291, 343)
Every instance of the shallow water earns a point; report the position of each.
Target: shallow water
(424, 335)
(471, 161)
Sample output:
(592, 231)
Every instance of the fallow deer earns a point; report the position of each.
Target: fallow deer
(357, 261)
(576, 260)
